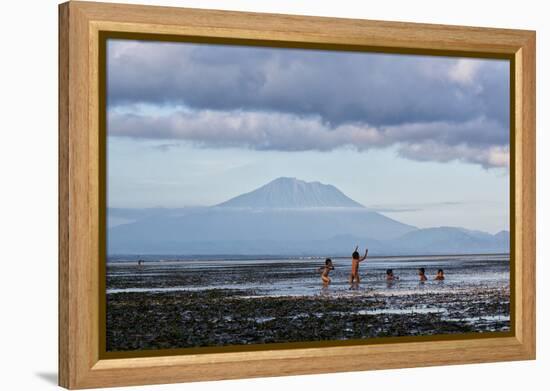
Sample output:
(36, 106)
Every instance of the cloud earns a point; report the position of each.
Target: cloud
(429, 108)
(381, 89)
(394, 210)
(465, 70)
(255, 130)
(432, 141)
(416, 207)
(166, 147)
(429, 150)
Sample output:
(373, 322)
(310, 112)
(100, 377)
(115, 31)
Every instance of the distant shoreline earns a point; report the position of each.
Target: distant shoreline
(263, 257)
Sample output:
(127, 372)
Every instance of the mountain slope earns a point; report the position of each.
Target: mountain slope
(285, 217)
(292, 193)
(215, 230)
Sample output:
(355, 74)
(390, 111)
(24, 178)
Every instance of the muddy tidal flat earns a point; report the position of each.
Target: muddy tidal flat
(169, 303)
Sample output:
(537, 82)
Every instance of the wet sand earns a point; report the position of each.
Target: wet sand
(160, 307)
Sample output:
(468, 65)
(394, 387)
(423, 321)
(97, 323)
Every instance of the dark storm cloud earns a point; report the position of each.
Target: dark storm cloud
(339, 87)
(431, 108)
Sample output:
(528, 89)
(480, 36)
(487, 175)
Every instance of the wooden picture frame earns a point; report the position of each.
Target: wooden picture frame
(81, 24)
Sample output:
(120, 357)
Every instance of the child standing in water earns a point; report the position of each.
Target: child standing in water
(422, 274)
(440, 275)
(325, 270)
(390, 276)
(355, 260)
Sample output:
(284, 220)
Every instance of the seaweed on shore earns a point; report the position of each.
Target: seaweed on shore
(220, 317)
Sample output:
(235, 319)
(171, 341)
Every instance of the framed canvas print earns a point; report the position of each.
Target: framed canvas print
(247, 195)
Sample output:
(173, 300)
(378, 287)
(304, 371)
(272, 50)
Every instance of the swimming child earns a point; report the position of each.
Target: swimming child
(325, 270)
(422, 274)
(440, 275)
(390, 276)
(355, 260)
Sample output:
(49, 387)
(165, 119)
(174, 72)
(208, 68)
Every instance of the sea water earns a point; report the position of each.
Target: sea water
(300, 277)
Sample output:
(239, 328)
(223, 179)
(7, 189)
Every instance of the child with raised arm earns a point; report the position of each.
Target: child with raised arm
(325, 270)
(355, 260)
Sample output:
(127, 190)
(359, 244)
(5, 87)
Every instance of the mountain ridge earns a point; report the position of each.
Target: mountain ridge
(287, 216)
(286, 192)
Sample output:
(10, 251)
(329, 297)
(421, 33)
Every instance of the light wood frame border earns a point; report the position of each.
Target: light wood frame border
(80, 365)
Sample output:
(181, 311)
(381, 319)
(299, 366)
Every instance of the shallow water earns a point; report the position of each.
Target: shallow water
(299, 277)
(170, 303)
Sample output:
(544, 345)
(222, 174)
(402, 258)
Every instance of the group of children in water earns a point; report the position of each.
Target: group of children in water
(354, 275)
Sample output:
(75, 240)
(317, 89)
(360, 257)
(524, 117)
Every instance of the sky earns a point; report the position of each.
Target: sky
(421, 139)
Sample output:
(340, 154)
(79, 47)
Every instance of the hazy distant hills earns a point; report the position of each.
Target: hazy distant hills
(451, 240)
(285, 217)
(283, 231)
